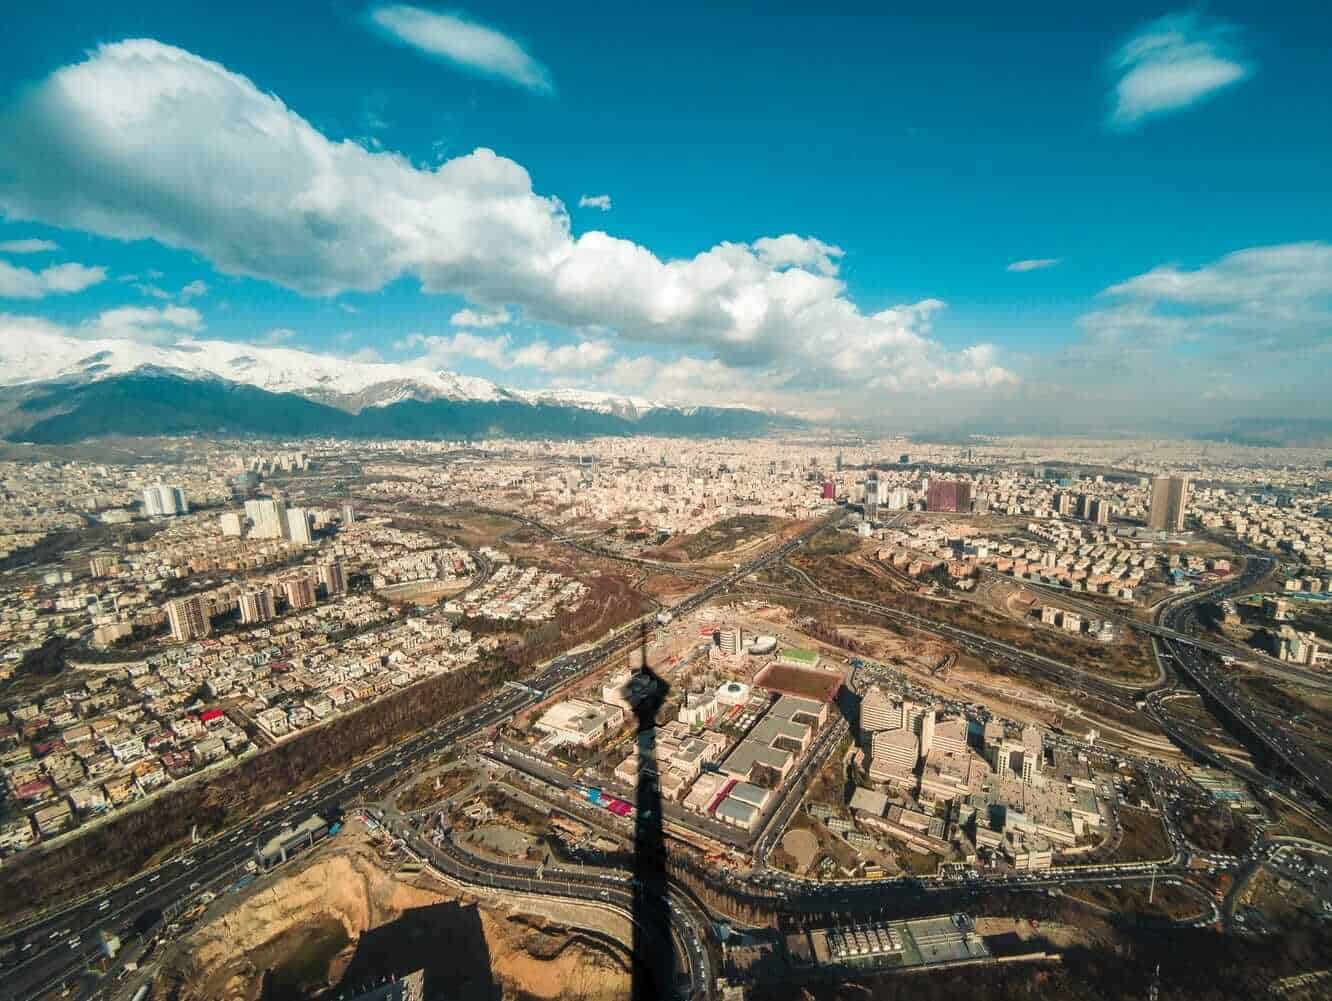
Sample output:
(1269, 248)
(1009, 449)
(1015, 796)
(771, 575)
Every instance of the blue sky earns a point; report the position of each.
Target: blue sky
(1162, 169)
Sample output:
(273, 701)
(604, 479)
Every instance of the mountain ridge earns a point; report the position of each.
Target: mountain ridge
(151, 402)
(40, 358)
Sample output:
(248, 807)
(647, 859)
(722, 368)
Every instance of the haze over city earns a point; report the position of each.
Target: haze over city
(722, 502)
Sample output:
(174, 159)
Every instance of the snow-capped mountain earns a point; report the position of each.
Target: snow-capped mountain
(629, 407)
(40, 357)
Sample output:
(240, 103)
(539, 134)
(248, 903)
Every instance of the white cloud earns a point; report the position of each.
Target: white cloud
(465, 43)
(58, 279)
(144, 323)
(798, 251)
(82, 150)
(447, 351)
(28, 246)
(193, 290)
(278, 335)
(1243, 307)
(500, 351)
(602, 202)
(1260, 279)
(479, 318)
(1033, 264)
(580, 356)
(1171, 64)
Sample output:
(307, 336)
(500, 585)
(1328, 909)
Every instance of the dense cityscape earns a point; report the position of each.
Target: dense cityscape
(958, 673)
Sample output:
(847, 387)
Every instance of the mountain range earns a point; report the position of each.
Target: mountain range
(58, 388)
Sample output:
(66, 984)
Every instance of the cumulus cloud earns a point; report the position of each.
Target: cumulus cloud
(480, 318)
(59, 279)
(1171, 64)
(1033, 264)
(577, 357)
(602, 202)
(440, 351)
(144, 323)
(472, 46)
(500, 351)
(798, 251)
(254, 188)
(28, 246)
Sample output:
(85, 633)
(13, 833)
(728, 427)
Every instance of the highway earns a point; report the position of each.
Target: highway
(1206, 671)
(47, 958)
(57, 946)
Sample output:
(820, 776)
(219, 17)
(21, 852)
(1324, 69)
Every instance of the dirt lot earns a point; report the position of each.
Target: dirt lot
(720, 539)
(1131, 899)
(342, 919)
(1144, 837)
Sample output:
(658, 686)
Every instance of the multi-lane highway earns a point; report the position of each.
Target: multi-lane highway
(59, 945)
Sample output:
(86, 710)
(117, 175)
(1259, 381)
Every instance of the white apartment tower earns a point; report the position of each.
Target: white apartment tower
(163, 499)
(298, 526)
(268, 518)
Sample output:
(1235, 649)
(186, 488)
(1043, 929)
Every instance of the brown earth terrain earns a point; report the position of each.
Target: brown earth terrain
(343, 920)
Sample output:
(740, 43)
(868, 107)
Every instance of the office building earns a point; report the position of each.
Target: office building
(878, 712)
(731, 640)
(1170, 496)
(949, 496)
(298, 526)
(256, 605)
(187, 619)
(872, 497)
(348, 515)
(298, 589)
(331, 577)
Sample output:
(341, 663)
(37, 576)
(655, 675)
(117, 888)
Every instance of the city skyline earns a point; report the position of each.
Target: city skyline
(1022, 220)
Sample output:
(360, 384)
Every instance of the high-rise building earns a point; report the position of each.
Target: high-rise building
(879, 712)
(187, 618)
(331, 577)
(256, 605)
(1170, 497)
(298, 526)
(268, 518)
(163, 499)
(872, 496)
(1064, 502)
(232, 524)
(829, 490)
(348, 514)
(299, 589)
(103, 566)
(952, 496)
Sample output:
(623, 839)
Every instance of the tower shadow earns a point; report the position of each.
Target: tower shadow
(653, 946)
